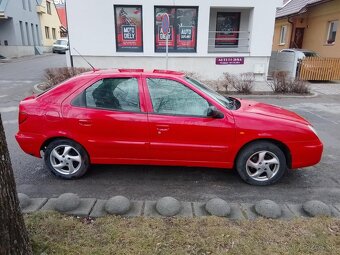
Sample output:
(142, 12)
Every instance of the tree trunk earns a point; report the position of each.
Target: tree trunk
(13, 234)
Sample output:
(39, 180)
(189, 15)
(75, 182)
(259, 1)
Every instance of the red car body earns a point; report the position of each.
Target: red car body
(122, 137)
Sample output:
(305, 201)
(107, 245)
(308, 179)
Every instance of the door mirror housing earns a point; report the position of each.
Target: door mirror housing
(214, 113)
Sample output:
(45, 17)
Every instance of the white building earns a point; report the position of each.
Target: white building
(206, 37)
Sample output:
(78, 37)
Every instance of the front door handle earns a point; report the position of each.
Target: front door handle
(162, 128)
(86, 123)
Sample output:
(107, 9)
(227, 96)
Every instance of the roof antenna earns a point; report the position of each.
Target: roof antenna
(93, 69)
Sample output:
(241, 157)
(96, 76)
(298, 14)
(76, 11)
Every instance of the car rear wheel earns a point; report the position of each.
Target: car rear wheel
(261, 163)
(66, 159)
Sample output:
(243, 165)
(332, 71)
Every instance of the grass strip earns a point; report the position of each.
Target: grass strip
(53, 233)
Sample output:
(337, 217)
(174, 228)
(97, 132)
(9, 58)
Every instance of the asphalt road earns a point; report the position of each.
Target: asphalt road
(187, 184)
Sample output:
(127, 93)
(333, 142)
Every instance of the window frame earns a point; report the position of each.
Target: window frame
(283, 35)
(329, 31)
(175, 50)
(48, 7)
(82, 96)
(119, 48)
(54, 33)
(47, 32)
(151, 109)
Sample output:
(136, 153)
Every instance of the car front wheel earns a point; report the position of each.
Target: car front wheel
(66, 159)
(261, 163)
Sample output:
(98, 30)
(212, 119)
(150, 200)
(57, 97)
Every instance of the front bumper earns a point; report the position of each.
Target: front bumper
(305, 154)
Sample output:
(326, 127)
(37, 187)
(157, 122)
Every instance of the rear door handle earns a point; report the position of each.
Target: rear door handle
(85, 122)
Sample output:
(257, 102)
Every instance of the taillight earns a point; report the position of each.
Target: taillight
(22, 117)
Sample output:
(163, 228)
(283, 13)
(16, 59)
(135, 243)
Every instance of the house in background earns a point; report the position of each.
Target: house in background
(49, 22)
(20, 32)
(60, 5)
(206, 37)
(309, 24)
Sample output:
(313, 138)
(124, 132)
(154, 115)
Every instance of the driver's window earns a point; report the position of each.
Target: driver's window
(114, 94)
(173, 98)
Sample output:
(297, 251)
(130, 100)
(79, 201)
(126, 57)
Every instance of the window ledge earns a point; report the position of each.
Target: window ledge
(282, 44)
(329, 44)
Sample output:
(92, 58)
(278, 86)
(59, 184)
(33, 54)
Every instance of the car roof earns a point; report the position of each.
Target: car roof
(136, 71)
(299, 50)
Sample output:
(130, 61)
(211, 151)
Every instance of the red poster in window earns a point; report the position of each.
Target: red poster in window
(183, 29)
(129, 28)
(227, 29)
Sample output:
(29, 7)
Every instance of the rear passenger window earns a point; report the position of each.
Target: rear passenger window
(114, 94)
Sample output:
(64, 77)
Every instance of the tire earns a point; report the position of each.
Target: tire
(261, 163)
(66, 159)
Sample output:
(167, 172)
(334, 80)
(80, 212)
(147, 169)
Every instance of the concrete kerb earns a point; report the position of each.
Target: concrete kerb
(96, 208)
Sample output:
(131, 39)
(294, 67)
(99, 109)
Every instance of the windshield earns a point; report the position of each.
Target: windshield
(310, 54)
(227, 102)
(61, 42)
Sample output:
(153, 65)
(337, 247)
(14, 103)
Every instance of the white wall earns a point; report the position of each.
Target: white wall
(92, 32)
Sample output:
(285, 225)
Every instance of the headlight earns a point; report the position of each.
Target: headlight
(313, 129)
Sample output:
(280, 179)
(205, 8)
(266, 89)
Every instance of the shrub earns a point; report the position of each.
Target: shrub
(300, 87)
(193, 75)
(54, 76)
(282, 83)
(242, 84)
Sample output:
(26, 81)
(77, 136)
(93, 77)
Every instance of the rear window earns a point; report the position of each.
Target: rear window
(310, 54)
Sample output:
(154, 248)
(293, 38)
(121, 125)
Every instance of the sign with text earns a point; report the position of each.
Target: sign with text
(230, 61)
(129, 26)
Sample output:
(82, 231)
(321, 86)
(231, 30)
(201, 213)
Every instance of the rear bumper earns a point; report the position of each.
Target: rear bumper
(306, 153)
(30, 143)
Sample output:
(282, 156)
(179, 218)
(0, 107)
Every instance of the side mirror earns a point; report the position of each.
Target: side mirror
(214, 113)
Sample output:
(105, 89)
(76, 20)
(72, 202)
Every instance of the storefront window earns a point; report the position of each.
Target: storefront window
(129, 31)
(227, 29)
(182, 32)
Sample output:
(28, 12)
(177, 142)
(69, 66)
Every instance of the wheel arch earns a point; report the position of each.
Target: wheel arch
(52, 139)
(279, 144)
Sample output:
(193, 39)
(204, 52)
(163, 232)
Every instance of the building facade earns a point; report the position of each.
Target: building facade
(20, 32)
(49, 22)
(206, 37)
(309, 24)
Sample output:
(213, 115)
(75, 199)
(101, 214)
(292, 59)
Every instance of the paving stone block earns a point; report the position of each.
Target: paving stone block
(35, 205)
(82, 210)
(287, 213)
(199, 209)
(99, 209)
(150, 210)
(248, 211)
(335, 212)
(236, 212)
(337, 206)
(297, 210)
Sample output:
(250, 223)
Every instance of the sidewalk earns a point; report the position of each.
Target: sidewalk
(325, 88)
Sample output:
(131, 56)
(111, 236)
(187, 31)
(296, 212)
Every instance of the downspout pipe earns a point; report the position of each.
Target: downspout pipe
(291, 32)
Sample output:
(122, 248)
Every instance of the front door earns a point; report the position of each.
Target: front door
(298, 37)
(181, 132)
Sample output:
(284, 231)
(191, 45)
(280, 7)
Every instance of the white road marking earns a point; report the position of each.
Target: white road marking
(9, 109)
(17, 81)
(3, 96)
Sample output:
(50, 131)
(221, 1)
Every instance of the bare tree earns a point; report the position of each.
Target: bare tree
(13, 233)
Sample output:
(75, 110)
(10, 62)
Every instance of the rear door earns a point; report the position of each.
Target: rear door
(180, 131)
(109, 119)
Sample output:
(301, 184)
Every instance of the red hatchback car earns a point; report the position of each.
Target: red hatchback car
(161, 118)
